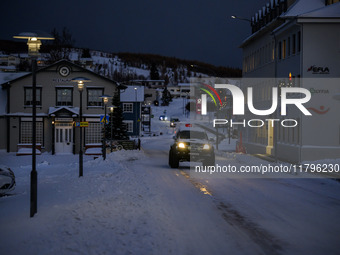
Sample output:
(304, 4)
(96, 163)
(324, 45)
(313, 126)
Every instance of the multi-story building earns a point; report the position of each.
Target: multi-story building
(295, 43)
(58, 102)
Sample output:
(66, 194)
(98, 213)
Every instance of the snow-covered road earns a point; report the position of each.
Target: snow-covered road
(134, 203)
(272, 215)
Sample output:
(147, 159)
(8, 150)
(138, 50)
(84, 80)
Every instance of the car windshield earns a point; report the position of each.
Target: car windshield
(187, 134)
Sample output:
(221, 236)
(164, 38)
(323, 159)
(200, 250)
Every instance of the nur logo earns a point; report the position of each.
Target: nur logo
(239, 102)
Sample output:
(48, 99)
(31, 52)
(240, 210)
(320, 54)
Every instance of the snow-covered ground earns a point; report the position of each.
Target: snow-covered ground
(133, 203)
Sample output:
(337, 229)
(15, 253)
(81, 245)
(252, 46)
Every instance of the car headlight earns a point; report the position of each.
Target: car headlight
(165, 118)
(206, 147)
(181, 145)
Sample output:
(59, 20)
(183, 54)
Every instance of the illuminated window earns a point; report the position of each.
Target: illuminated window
(328, 2)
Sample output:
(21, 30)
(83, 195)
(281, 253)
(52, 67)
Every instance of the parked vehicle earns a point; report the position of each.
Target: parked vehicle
(7, 180)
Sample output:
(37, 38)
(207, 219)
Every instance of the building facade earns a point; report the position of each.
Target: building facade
(131, 100)
(295, 44)
(58, 102)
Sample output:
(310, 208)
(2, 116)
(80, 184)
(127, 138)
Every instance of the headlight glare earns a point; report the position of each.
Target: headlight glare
(206, 147)
(181, 145)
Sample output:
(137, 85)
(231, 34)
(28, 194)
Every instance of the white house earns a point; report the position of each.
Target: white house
(295, 44)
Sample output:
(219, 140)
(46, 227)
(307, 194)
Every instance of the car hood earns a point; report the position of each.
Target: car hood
(197, 141)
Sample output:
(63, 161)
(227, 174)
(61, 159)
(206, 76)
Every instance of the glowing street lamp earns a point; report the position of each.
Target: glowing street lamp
(105, 101)
(34, 43)
(240, 18)
(111, 111)
(80, 81)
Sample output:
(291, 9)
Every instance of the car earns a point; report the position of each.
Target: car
(173, 121)
(191, 145)
(163, 118)
(7, 180)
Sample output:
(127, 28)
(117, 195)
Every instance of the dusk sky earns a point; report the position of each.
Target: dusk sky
(189, 29)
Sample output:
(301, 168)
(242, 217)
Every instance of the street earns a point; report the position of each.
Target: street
(134, 203)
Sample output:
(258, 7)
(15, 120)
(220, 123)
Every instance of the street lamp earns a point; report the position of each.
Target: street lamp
(136, 110)
(105, 101)
(80, 81)
(240, 18)
(34, 43)
(111, 111)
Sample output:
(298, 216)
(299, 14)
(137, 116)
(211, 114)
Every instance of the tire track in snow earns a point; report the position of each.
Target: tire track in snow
(264, 239)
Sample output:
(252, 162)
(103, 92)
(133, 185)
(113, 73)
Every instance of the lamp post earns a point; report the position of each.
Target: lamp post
(136, 111)
(105, 101)
(111, 111)
(80, 81)
(34, 43)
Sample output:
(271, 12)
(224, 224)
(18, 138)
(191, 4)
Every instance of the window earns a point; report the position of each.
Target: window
(328, 2)
(64, 96)
(128, 107)
(93, 133)
(29, 96)
(294, 44)
(284, 49)
(279, 50)
(129, 125)
(26, 132)
(93, 97)
(299, 42)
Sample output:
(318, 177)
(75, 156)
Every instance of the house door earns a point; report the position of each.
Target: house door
(63, 138)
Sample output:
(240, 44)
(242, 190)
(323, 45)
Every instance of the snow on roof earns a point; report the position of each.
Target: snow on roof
(74, 110)
(330, 11)
(8, 67)
(6, 77)
(303, 6)
(131, 93)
